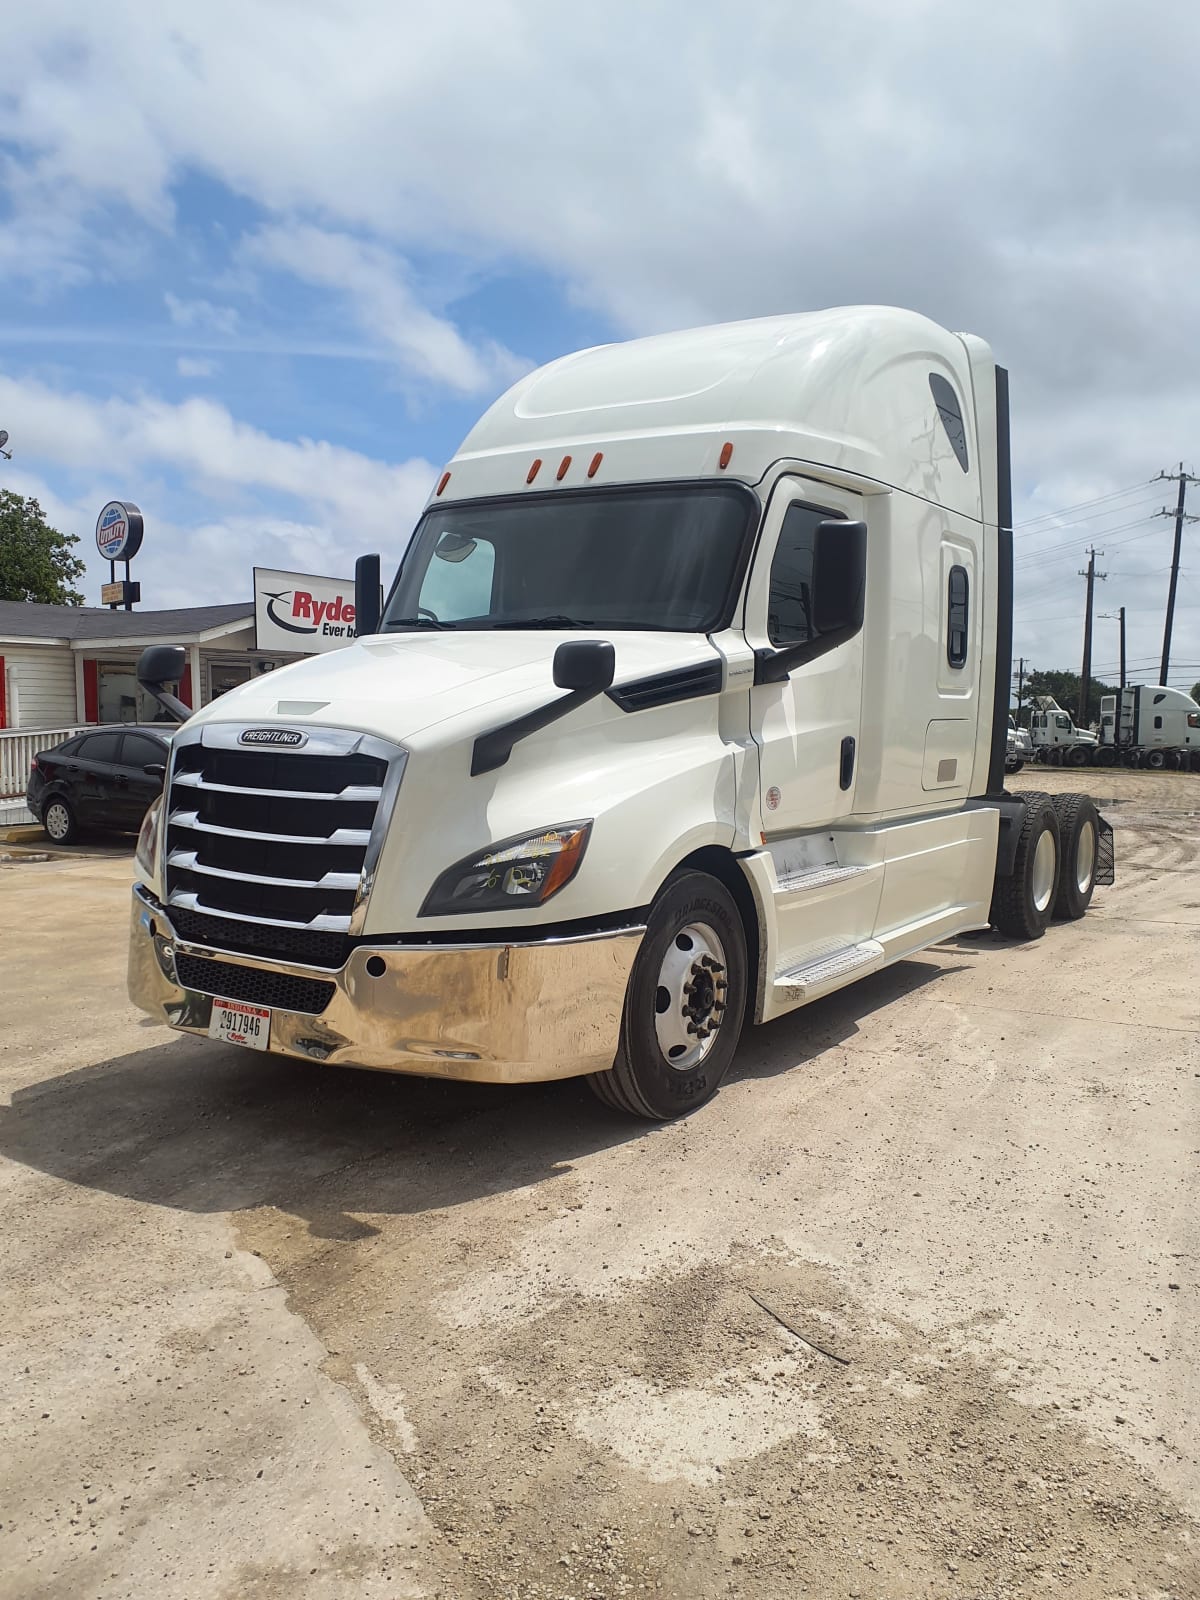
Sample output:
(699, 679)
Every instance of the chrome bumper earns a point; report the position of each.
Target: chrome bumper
(511, 1013)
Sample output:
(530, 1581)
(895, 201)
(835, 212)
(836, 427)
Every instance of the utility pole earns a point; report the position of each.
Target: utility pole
(1183, 480)
(1020, 687)
(1120, 618)
(1085, 676)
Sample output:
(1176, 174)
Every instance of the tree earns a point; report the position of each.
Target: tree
(35, 559)
(1196, 693)
(1063, 686)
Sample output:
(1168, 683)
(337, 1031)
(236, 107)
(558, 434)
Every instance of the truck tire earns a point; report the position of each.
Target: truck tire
(1131, 759)
(1023, 901)
(1013, 766)
(1106, 756)
(1078, 755)
(1078, 843)
(685, 1003)
(1156, 760)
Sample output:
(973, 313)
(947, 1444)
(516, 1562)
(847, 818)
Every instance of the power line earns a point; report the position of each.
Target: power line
(1139, 524)
(1082, 505)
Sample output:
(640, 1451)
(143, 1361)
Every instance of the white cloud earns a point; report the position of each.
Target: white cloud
(201, 316)
(196, 367)
(1019, 173)
(372, 282)
(218, 495)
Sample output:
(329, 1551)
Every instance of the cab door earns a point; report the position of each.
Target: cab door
(806, 727)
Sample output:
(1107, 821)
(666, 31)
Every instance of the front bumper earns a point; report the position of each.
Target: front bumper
(490, 1013)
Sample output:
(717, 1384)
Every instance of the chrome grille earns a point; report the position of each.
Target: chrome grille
(277, 838)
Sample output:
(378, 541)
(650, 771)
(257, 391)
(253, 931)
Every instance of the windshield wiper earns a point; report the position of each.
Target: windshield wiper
(546, 622)
(417, 622)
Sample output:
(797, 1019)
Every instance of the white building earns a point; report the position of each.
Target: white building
(66, 666)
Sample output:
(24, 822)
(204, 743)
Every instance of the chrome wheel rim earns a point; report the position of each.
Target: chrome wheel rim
(690, 996)
(1085, 857)
(1045, 863)
(58, 821)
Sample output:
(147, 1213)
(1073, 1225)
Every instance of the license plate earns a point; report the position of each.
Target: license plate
(238, 1023)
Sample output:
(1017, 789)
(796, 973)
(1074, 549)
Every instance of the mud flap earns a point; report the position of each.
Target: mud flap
(1106, 871)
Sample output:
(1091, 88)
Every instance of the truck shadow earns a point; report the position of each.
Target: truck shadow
(196, 1127)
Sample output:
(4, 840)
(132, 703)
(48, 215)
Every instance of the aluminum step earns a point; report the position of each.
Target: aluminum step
(812, 978)
(817, 878)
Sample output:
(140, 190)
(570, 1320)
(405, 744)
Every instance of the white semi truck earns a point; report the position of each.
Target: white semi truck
(1150, 725)
(687, 706)
(1056, 740)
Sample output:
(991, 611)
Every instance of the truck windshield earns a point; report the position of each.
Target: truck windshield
(668, 558)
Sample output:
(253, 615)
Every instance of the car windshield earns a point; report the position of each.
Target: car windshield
(668, 558)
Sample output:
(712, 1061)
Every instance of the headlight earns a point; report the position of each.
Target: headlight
(513, 874)
(146, 854)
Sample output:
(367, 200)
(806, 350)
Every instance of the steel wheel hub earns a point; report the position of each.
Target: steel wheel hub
(1085, 858)
(689, 1000)
(1045, 870)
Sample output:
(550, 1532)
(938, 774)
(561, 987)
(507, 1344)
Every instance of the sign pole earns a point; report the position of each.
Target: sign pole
(119, 531)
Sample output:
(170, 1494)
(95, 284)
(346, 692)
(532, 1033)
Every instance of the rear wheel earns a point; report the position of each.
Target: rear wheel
(59, 821)
(1156, 760)
(1079, 835)
(1079, 755)
(685, 1003)
(1106, 756)
(1023, 900)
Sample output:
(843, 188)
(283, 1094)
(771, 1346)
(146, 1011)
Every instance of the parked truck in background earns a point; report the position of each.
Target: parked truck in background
(1056, 740)
(687, 705)
(1150, 725)
(1019, 748)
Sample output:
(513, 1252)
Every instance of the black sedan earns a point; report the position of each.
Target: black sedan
(105, 779)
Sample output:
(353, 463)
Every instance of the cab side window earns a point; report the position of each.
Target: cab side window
(790, 604)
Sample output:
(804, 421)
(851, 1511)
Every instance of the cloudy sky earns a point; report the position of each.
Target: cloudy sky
(262, 264)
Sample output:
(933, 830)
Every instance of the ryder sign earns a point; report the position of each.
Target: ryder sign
(300, 613)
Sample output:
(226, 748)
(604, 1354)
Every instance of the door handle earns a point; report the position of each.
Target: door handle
(846, 777)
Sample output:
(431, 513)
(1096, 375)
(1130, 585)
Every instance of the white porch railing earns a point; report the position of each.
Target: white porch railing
(17, 750)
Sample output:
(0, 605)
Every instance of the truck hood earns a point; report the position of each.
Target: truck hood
(399, 686)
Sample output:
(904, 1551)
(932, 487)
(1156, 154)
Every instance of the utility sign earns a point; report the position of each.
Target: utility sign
(119, 531)
(300, 613)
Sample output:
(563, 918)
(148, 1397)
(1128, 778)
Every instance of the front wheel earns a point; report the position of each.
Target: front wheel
(59, 821)
(685, 1003)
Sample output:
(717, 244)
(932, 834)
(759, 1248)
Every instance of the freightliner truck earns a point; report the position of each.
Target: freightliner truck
(687, 705)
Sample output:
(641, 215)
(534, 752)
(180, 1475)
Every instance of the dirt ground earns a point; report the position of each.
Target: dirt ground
(911, 1309)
